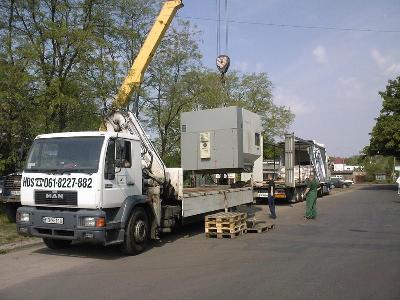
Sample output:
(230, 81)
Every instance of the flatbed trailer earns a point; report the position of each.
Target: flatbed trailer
(301, 158)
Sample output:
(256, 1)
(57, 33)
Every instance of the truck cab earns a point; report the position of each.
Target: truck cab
(77, 186)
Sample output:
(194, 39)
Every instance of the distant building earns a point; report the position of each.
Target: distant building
(340, 166)
(353, 168)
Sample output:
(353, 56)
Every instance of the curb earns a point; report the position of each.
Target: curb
(19, 245)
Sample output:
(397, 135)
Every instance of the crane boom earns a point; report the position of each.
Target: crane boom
(146, 53)
(120, 120)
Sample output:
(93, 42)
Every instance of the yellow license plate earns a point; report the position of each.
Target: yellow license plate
(281, 196)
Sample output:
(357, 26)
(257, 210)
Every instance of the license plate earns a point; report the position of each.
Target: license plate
(51, 220)
(280, 196)
(263, 195)
(15, 193)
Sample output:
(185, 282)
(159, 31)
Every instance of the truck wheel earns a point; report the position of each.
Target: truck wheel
(56, 244)
(136, 233)
(11, 212)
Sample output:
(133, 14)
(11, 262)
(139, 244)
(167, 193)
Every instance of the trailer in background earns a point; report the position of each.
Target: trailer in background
(301, 158)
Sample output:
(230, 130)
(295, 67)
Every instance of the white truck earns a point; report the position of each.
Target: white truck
(92, 186)
(111, 186)
(301, 159)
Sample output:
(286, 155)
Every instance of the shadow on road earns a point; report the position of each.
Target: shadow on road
(380, 187)
(187, 231)
(85, 251)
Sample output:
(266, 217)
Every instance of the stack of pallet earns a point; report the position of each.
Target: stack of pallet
(225, 225)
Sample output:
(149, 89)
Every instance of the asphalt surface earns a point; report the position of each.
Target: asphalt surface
(351, 251)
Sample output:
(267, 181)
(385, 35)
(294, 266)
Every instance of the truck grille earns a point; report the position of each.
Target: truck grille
(13, 183)
(69, 198)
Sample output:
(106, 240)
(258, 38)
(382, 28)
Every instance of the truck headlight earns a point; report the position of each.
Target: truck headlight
(93, 222)
(89, 221)
(23, 217)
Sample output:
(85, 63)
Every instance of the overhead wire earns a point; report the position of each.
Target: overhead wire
(295, 26)
(218, 13)
(226, 27)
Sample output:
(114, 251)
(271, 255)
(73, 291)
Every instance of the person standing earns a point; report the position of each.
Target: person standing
(311, 198)
(271, 196)
(398, 182)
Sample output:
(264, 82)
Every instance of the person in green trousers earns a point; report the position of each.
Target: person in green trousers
(311, 198)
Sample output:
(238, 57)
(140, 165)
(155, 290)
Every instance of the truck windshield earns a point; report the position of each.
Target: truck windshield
(65, 155)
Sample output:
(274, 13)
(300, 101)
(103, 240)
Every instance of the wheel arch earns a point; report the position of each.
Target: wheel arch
(130, 204)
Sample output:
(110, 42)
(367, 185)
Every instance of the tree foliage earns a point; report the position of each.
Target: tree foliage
(385, 136)
(378, 164)
(62, 61)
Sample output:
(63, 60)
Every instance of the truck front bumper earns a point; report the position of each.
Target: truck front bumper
(69, 226)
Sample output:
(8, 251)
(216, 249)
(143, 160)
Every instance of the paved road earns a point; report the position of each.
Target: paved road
(352, 251)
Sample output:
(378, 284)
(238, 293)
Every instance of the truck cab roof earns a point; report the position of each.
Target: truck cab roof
(108, 134)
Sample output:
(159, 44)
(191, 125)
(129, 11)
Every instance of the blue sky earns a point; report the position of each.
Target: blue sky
(329, 78)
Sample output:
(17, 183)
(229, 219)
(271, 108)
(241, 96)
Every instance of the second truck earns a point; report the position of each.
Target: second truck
(300, 159)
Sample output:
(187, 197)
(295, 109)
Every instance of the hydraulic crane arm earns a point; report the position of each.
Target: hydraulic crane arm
(120, 120)
(146, 53)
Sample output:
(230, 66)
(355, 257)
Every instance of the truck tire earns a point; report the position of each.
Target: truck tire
(11, 212)
(136, 232)
(56, 244)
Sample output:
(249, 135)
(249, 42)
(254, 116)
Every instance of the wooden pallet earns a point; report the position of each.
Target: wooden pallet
(225, 235)
(232, 229)
(261, 228)
(215, 224)
(228, 217)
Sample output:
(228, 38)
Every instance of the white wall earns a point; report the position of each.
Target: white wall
(338, 167)
(257, 168)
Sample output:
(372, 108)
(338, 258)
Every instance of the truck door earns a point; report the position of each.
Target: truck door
(118, 175)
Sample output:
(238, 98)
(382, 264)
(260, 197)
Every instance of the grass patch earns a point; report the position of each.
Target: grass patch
(8, 231)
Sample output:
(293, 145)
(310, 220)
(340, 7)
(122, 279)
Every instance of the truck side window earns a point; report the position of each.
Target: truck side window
(109, 170)
(124, 153)
(257, 139)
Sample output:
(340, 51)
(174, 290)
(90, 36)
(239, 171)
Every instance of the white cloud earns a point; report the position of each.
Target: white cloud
(379, 59)
(320, 54)
(393, 69)
(385, 63)
(292, 101)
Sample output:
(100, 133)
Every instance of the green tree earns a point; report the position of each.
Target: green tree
(17, 105)
(385, 136)
(378, 164)
(60, 61)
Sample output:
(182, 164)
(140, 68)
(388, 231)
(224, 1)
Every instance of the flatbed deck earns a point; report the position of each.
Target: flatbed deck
(206, 199)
